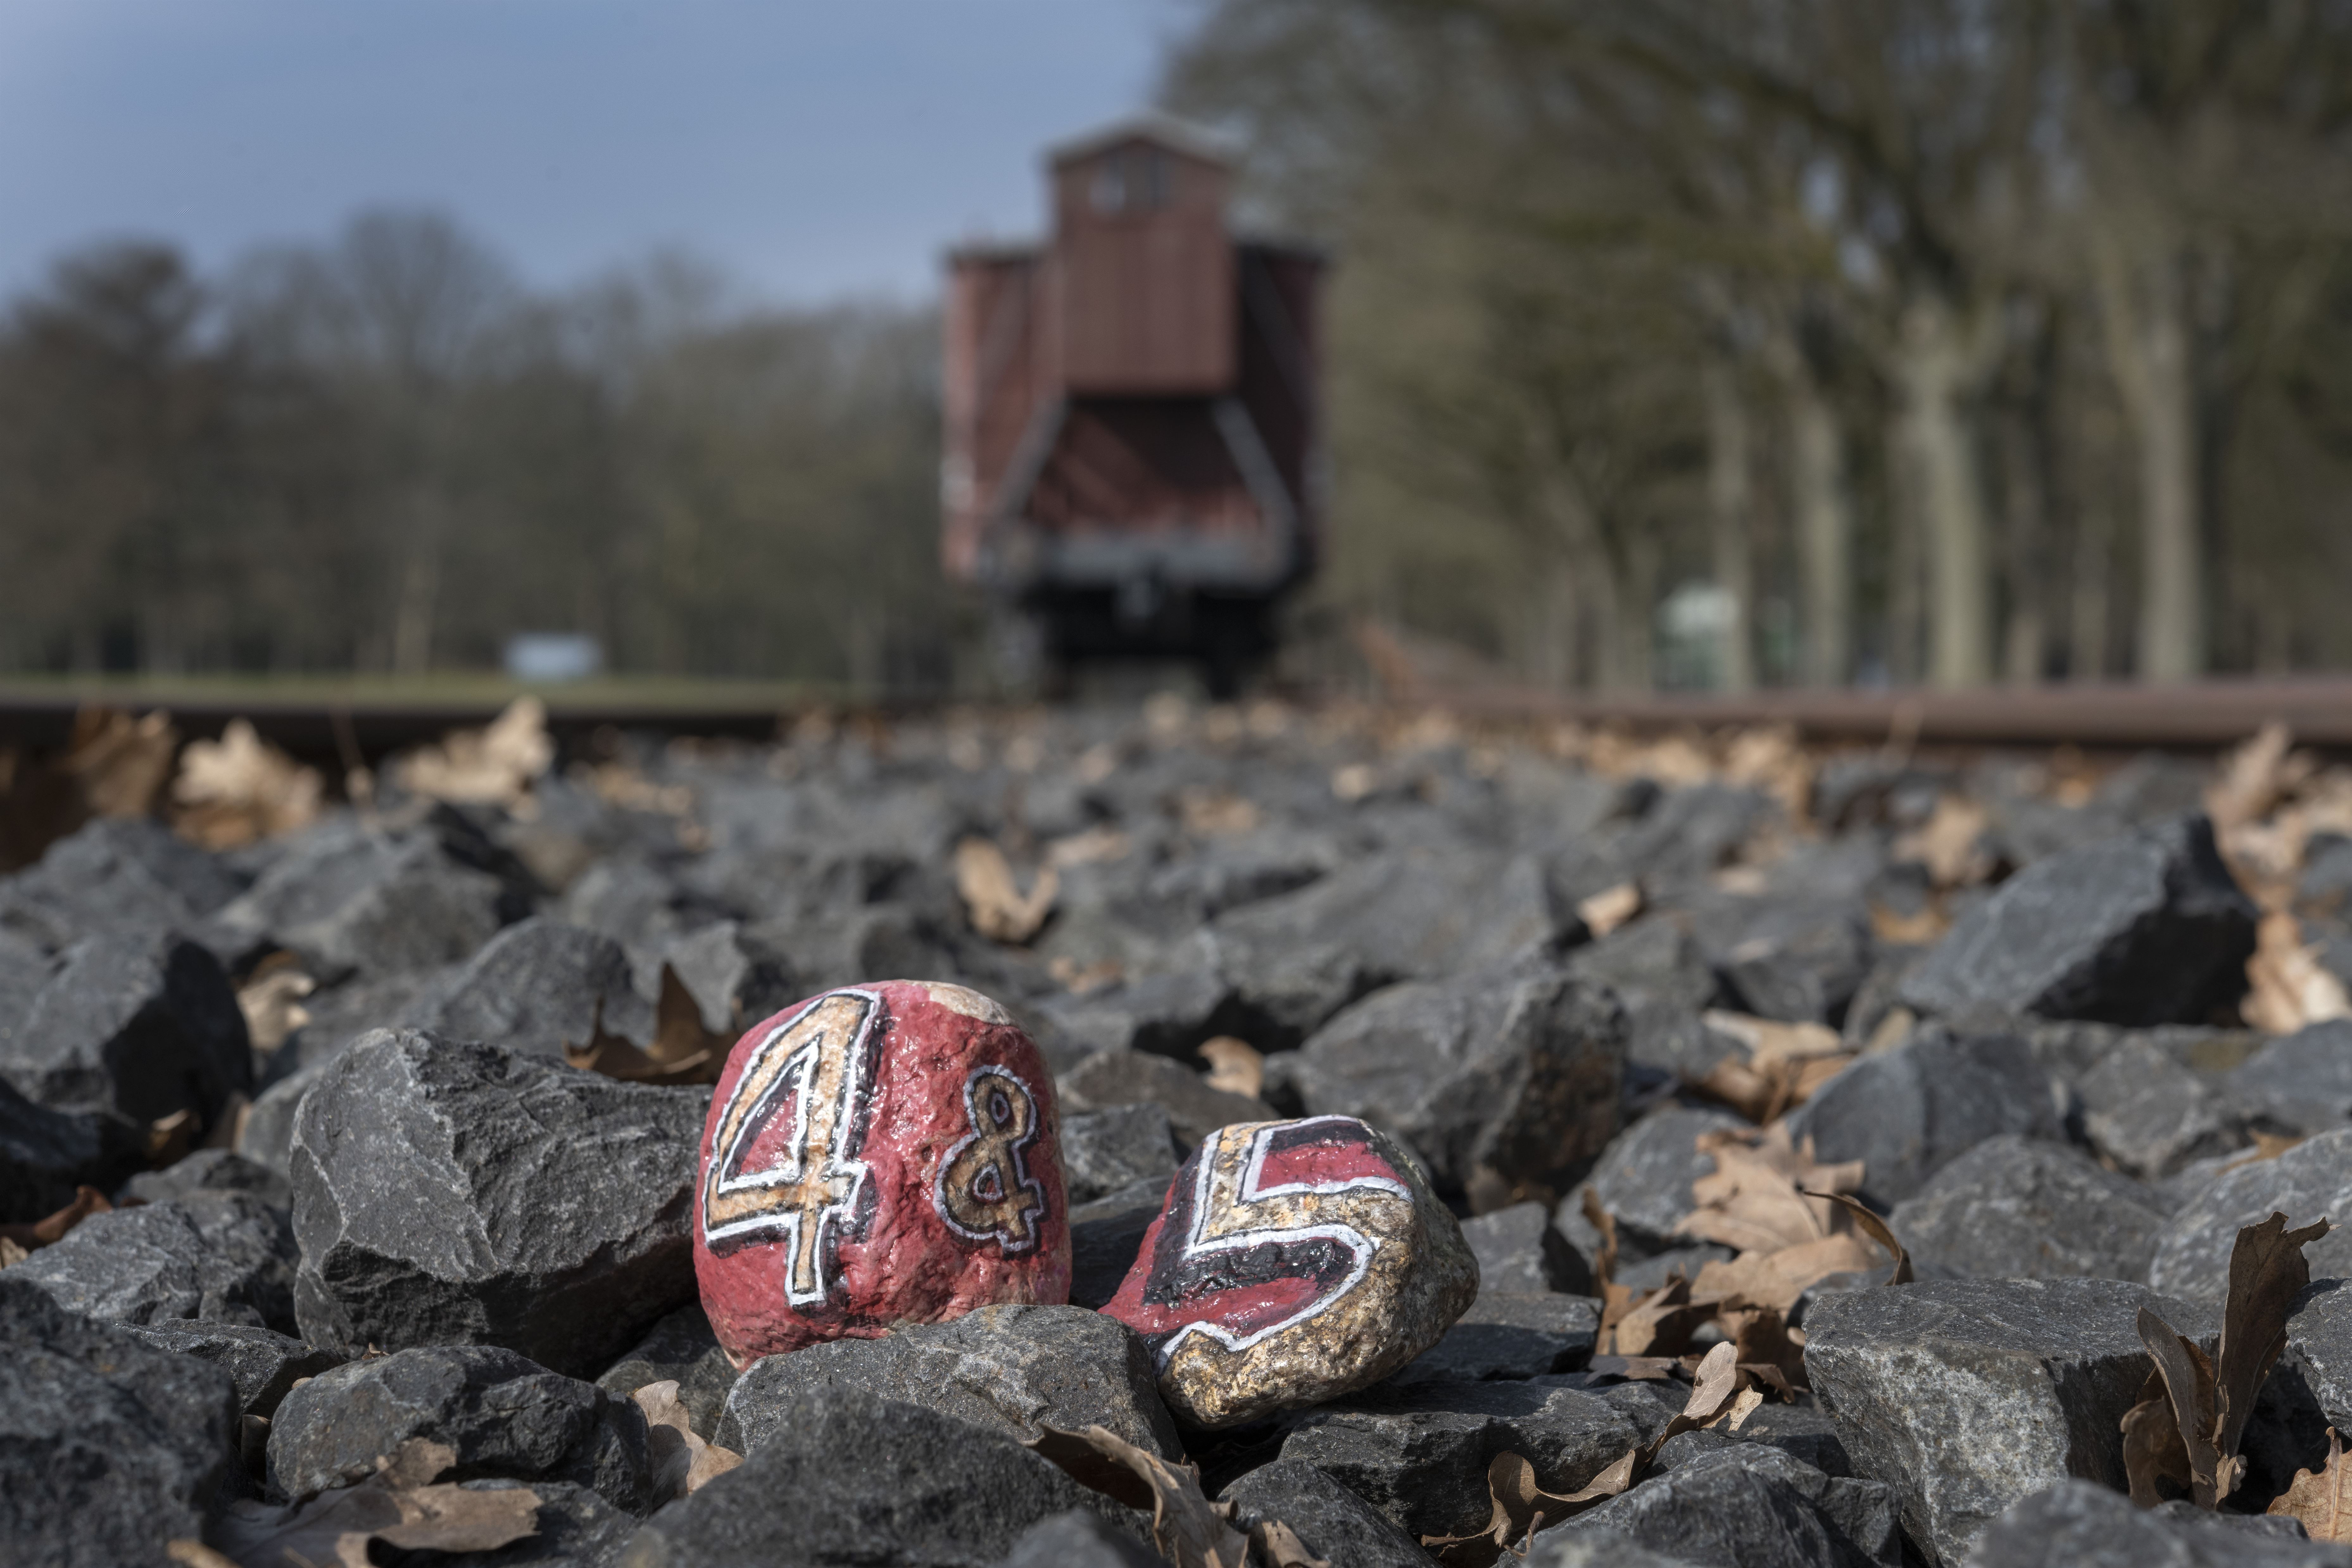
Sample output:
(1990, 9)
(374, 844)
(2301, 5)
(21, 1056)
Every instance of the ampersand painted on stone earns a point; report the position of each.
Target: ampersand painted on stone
(985, 1192)
(1259, 1235)
(808, 1190)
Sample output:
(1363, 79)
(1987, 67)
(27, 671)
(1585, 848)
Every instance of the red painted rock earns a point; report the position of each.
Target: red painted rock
(1293, 1262)
(883, 1153)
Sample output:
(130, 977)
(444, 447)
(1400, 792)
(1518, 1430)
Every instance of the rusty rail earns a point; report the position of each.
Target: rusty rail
(2199, 716)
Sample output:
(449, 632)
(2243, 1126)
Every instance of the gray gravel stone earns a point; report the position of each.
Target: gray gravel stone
(2080, 1524)
(45, 1155)
(535, 988)
(1499, 1080)
(504, 1415)
(1664, 983)
(1644, 1178)
(1518, 1250)
(1104, 1151)
(2144, 928)
(2301, 1081)
(223, 1257)
(108, 1448)
(850, 1480)
(114, 875)
(1908, 1113)
(1963, 1395)
(268, 1136)
(679, 1349)
(1079, 1540)
(1419, 1453)
(450, 1193)
(347, 898)
(2152, 1116)
(1591, 1548)
(1330, 1520)
(1750, 1505)
(2319, 1344)
(209, 1171)
(2018, 1208)
(1510, 1334)
(1409, 914)
(1014, 1368)
(1113, 1078)
(133, 1025)
(2311, 1181)
(264, 1361)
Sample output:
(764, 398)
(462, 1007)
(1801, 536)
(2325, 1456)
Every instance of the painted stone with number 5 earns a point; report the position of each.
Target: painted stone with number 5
(883, 1153)
(1293, 1262)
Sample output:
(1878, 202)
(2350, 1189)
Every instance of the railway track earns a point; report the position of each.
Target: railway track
(2200, 716)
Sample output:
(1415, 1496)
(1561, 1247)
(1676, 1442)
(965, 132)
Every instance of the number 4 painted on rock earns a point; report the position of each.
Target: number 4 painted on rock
(808, 1193)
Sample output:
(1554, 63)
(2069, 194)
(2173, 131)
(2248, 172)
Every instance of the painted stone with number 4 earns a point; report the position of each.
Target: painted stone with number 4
(884, 1153)
(1293, 1262)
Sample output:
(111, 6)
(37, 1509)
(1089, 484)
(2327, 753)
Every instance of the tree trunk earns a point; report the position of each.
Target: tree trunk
(1934, 371)
(2144, 312)
(2086, 632)
(2025, 513)
(420, 589)
(1637, 611)
(1731, 525)
(1825, 518)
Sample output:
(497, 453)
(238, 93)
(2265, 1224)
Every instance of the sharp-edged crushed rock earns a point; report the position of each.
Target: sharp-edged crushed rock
(110, 1448)
(503, 1417)
(454, 1194)
(1015, 1369)
(1963, 1395)
(847, 1477)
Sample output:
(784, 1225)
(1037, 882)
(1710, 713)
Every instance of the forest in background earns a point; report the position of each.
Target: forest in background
(1670, 342)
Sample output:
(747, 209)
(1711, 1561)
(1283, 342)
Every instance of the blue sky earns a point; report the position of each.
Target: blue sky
(813, 151)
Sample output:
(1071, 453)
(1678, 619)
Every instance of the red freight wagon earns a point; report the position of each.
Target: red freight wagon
(1133, 430)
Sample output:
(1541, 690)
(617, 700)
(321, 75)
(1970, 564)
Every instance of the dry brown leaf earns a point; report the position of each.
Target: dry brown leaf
(1876, 1229)
(995, 904)
(2286, 987)
(11, 1253)
(1713, 1389)
(1950, 843)
(1778, 1279)
(2267, 1270)
(1096, 843)
(2188, 1376)
(1756, 1197)
(495, 766)
(1918, 928)
(1607, 910)
(1216, 813)
(1188, 1530)
(195, 1554)
(2152, 1445)
(169, 1138)
(1235, 1065)
(1279, 1545)
(240, 789)
(1081, 979)
(1765, 1094)
(50, 1229)
(120, 763)
(1763, 1338)
(398, 1506)
(1661, 1323)
(1616, 1300)
(2321, 1499)
(683, 1051)
(1633, 1368)
(682, 1462)
(271, 1000)
(2252, 778)
(1518, 1509)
